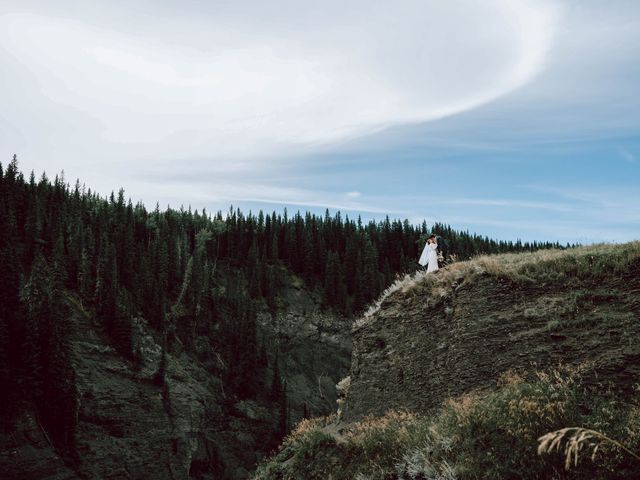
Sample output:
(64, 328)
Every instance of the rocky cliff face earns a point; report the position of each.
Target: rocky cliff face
(131, 428)
(436, 341)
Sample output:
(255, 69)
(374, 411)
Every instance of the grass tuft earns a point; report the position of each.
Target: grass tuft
(577, 439)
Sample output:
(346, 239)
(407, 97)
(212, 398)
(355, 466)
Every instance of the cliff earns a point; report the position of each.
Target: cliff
(131, 428)
(438, 337)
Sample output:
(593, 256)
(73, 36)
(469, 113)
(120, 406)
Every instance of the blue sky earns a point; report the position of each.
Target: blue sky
(511, 118)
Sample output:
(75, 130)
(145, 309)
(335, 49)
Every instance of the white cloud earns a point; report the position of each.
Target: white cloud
(253, 80)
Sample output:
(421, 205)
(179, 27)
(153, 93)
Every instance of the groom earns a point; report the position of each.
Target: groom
(442, 247)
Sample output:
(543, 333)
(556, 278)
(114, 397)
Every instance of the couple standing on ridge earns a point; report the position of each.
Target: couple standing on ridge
(429, 257)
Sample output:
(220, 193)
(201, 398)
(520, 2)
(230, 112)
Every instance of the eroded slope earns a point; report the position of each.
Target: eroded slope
(436, 337)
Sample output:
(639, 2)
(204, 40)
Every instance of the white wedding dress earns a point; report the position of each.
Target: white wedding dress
(429, 257)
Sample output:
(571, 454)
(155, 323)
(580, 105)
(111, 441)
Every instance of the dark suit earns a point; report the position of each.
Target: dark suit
(444, 248)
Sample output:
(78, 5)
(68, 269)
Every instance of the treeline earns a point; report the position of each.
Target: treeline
(198, 279)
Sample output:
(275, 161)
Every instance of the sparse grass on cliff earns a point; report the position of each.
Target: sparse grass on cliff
(320, 449)
(475, 437)
(542, 266)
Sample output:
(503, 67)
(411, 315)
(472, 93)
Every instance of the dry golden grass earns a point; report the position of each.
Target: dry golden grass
(396, 421)
(576, 440)
(308, 425)
(510, 377)
(540, 266)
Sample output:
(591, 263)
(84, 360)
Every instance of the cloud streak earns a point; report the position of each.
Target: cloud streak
(627, 155)
(278, 83)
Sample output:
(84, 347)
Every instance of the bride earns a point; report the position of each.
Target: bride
(429, 257)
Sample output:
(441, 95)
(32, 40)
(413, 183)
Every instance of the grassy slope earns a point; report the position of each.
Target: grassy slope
(543, 266)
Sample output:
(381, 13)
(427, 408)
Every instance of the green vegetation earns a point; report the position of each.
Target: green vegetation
(482, 435)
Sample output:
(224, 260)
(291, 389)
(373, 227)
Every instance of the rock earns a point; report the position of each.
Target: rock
(26, 454)
(252, 410)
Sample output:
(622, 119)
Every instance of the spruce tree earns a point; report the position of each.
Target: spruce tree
(35, 331)
(276, 383)
(59, 403)
(6, 386)
(283, 413)
(249, 360)
(11, 328)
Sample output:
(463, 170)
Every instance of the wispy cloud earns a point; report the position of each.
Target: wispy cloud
(222, 193)
(627, 155)
(280, 81)
(558, 207)
(599, 197)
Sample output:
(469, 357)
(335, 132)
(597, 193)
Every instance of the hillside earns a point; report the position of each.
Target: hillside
(485, 344)
(128, 426)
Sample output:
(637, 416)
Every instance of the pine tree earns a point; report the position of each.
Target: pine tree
(11, 331)
(35, 331)
(283, 417)
(59, 403)
(369, 281)
(160, 375)
(276, 383)
(86, 284)
(120, 328)
(335, 292)
(271, 289)
(6, 386)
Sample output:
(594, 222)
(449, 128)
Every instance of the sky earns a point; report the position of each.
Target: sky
(516, 119)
